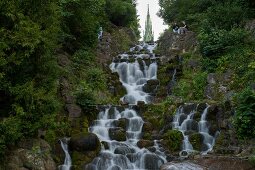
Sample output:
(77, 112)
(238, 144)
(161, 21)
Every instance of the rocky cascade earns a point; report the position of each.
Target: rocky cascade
(120, 128)
(190, 119)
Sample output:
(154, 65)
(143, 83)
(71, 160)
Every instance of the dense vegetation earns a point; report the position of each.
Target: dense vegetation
(32, 33)
(226, 45)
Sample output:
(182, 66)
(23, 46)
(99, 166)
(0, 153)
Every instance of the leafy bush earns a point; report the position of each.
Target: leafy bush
(121, 12)
(215, 41)
(245, 114)
(96, 79)
(85, 96)
(173, 139)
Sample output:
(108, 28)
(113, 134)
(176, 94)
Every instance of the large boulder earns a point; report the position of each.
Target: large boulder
(117, 134)
(84, 142)
(122, 123)
(32, 154)
(145, 143)
(151, 86)
(152, 161)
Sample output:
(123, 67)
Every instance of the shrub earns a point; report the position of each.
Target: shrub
(245, 114)
(121, 12)
(216, 41)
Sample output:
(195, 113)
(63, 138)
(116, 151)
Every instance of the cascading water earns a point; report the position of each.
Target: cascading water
(185, 123)
(118, 152)
(68, 162)
(134, 76)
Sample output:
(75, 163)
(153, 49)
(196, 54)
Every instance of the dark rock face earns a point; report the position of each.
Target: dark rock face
(123, 150)
(28, 156)
(84, 142)
(122, 123)
(187, 108)
(152, 161)
(118, 134)
(151, 86)
(171, 43)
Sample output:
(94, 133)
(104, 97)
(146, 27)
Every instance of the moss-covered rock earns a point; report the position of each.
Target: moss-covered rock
(122, 123)
(117, 134)
(147, 127)
(196, 140)
(84, 142)
(145, 143)
(172, 140)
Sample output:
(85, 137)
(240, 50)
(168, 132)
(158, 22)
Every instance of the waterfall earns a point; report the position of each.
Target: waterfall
(133, 77)
(119, 142)
(68, 162)
(184, 122)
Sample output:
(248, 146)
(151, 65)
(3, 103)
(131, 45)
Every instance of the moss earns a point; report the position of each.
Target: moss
(252, 159)
(147, 136)
(196, 140)
(173, 140)
(79, 159)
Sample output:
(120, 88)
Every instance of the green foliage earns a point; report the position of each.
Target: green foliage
(215, 41)
(191, 86)
(32, 32)
(245, 114)
(85, 96)
(121, 12)
(96, 79)
(173, 140)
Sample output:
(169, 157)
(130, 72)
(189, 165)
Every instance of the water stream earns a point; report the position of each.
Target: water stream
(118, 152)
(184, 122)
(68, 162)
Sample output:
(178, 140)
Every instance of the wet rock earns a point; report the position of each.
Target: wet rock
(133, 157)
(74, 110)
(118, 134)
(192, 125)
(123, 150)
(188, 108)
(151, 86)
(201, 107)
(152, 161)
(213, 110)
(147, 127)
(122, 123)
(182, 118)
(145, 143)
(152, 149)
(105, 144)
(84, 142)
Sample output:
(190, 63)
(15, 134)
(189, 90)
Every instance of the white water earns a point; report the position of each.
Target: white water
(134, 75)
(184, 122)
(68, 162)
(116, 155)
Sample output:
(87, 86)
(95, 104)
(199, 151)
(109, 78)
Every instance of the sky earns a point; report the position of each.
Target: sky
(157, 23)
